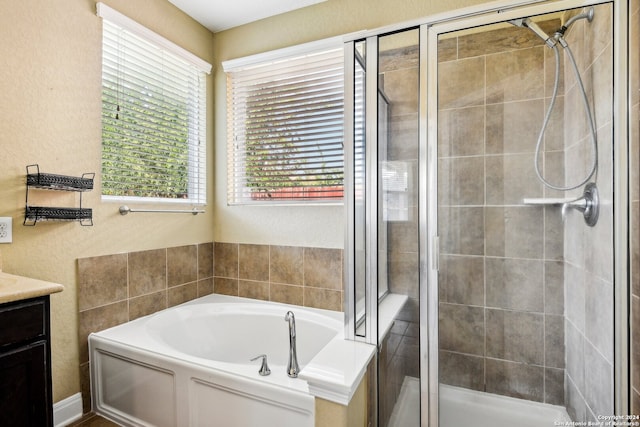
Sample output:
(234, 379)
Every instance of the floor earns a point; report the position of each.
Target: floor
(93, 420)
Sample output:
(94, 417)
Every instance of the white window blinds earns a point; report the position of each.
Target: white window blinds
(285, 129)
(153, 115)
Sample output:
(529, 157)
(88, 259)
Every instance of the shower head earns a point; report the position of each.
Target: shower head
(588, 15)
(528, 23)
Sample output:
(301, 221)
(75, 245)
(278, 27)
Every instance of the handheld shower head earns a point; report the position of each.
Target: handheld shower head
(588, 15)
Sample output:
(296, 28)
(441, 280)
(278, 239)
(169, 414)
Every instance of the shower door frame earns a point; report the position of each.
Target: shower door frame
(428, 200)
(430, 28)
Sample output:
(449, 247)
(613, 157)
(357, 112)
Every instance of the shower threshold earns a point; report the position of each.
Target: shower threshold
(460, 407)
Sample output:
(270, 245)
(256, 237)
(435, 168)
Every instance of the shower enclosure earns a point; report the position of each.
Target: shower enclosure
(483, 287)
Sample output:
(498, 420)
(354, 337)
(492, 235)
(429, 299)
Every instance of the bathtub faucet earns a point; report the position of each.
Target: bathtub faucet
(292, 365)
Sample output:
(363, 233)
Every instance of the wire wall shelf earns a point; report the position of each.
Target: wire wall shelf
(48, 181)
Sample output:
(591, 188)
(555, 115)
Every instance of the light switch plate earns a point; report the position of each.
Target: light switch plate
(6, 229)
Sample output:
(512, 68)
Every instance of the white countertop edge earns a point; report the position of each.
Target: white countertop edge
(337, 370)
(388, 310)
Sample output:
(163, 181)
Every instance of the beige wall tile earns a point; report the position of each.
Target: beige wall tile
(205, 286)
(323, 268)
(225, 259)
(98, 319)
(182, 265)
(401, 88)
(323, 298)
(462, 182)
(461, 370)
(461, 131)
(515, 336)
(461, 328)
(513, 127)
(205, 260)
(225, 286)
(101, 280)
(515, 284)
(398, 58)
(287, 294)
(183, 293)
(515, 379)
(252, 289)
(147, 272)
(147, 304)
(554, 341)
(463, 230)
(447, 49)
(508, 227)
(461, 280)
(515, 76)
(286, 265)
(253, 262)
(464, 85)
(554, 386)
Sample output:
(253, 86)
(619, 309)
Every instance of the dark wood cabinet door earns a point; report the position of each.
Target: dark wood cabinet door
(24, 393)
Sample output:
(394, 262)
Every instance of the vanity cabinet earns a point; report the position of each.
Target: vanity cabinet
(25, 363)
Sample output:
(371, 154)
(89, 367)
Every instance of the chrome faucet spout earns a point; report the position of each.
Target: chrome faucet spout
(292, 365)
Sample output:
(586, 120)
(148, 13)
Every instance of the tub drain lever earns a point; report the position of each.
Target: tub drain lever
(264, 368)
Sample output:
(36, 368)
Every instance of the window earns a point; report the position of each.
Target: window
(285, 128)
(153, 115)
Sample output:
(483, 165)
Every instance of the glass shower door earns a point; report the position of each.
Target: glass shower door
(524, 286)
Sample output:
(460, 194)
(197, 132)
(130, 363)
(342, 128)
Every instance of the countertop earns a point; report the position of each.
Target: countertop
(16, 288)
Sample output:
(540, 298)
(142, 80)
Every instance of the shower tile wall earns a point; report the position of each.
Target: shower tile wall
(526, 301)
(501, 274)
(634, 72)
(588, 251)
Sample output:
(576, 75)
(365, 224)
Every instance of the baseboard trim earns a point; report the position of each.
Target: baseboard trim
(67, 410)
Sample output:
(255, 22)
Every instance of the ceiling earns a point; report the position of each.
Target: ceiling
(218, 15)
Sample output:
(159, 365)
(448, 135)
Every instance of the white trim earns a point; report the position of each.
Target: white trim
(129, 24)
(263, 58)
(67, 410)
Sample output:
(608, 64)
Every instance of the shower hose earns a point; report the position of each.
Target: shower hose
(594, 144)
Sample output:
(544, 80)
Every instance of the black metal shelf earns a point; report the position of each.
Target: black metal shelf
(48, 181)
(34, 214)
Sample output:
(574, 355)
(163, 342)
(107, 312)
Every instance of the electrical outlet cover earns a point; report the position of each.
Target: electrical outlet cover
(6, 228)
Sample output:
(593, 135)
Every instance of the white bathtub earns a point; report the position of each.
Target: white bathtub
(189, 365)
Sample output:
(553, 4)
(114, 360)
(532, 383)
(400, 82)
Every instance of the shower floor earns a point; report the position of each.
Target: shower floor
(459, 407)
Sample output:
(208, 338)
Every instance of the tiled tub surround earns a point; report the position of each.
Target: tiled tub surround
(310, 277)
(114, 289)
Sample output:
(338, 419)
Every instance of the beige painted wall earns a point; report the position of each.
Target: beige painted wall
(50, 89)
(320, 226)
(50, 109)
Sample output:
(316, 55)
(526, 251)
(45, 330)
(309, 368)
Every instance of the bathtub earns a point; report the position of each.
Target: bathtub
(190, 365)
